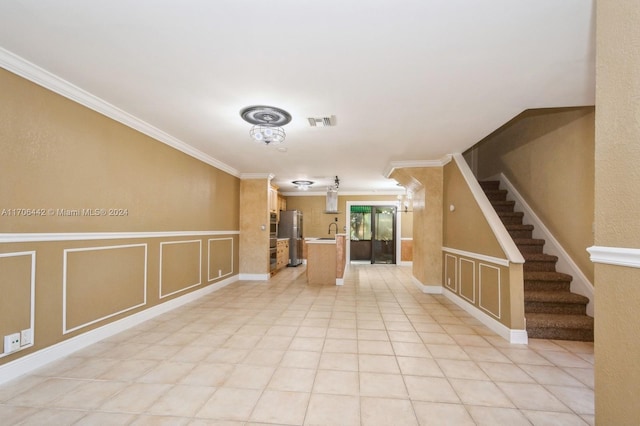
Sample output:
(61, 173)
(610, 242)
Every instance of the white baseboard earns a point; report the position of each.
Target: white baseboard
(406, 263)
(427, 289)
(35, 360)
(339, 281)
(510, 335)
(255, 277)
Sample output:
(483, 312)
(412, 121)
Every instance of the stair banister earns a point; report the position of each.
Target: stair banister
(504, 239)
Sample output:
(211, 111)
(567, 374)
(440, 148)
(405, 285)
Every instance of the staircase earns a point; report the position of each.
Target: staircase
(551, 310)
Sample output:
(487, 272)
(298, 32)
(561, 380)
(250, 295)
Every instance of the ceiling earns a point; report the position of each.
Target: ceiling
(408, 81)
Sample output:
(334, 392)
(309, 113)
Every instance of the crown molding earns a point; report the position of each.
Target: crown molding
(269, 176)
(415, 163)
(25, 69)
(619, 256)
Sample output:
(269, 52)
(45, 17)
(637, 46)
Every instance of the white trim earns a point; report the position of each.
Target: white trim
(455, 271)
(405, 263)
(64, 286)
(28, 363)
(414, 164)
(84, 236)
(618, 256)
(477, 256)
(473, 283)
(427, 289)
(504, 239)
(160, 294)
(209, 279)
(32, 304)
(580, 284)
(339, 281)
(254, 277)
(268, 176)
(20, 66)
(511, 335)
(393, 193)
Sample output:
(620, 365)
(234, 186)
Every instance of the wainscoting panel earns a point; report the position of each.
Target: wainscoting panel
(490, 294)
(101, 282)
(468, 280)
(451, 272)
(180, 266)
(220, 258)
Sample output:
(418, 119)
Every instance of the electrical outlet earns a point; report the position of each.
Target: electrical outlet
(26, 337)
(11, 343)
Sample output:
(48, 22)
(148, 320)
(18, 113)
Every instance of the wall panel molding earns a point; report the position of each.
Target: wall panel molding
(498, 290)
(86, 236)
(162, 276)
(210, 253)
(66, 284)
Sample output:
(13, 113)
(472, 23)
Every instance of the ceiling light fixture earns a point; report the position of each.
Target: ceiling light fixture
(302, 184)
(267, 123)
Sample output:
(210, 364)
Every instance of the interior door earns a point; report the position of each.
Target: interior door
(383, 230)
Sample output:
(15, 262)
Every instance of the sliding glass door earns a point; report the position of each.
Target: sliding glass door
(372, 234)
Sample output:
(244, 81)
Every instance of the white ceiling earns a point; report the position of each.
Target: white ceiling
(406, 80)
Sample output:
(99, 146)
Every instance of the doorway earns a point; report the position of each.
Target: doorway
(373, 234)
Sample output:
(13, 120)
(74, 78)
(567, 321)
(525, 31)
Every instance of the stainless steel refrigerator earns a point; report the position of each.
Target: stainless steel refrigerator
(290, 226)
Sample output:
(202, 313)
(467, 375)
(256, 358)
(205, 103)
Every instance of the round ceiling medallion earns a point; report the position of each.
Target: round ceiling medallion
(265, 115)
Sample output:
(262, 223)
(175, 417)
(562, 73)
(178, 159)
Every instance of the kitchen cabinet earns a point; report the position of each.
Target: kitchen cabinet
(273, 199)
(282, 253)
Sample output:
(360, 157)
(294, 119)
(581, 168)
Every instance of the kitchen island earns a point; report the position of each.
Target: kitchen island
(326, 260)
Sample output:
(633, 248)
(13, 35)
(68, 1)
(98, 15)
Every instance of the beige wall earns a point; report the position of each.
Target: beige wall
(316, 221)
(548, 155)
(254, 226)
(426, 183)
(617, 297)
(60, 156)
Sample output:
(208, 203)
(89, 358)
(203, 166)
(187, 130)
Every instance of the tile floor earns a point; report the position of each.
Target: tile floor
(373, 352)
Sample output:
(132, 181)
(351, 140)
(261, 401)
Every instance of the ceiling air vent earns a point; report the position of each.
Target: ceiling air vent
(322, 121)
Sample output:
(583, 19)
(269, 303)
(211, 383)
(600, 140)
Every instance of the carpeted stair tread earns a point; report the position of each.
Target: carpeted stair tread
(539, 257)
(490, 184)
(519, 227)
(559, 321)
(496, 194)
(529, 241)
(555, 297)
(503, 206)
(546, 276)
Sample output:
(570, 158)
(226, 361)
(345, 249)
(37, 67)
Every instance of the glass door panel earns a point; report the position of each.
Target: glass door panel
(383, 234)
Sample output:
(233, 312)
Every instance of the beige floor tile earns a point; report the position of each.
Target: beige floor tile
(532, 397)
(264, 357)
(342, 333)
(282, 331)
(545, 418)
(328, 410)
(292, 379)
(441, 414)
(90, 394)
(46, 392)
(135, 398)
(242, 341)
(486, 354)
(492, 416)
(227, 355)
(12, 415)
(470, 340)
(129, 369)
(565, 359)
(579, 399)
(404, 336)
(502, 372)
(584, 375)
(168, 372)
(338, 361)
(375, 347)
(460, 369)
(336, 382)
(181, 400)
(371, 325)
(208, 374)
(447, 352)
(300, 359)
(157, 420)
(419, 367)
(311, 332)
(418, 350)
(345, 346)
(365, 334)
(430, 389)
(378, 364)
(428, 327)
(230, 404)
(382, 385)
(249, 377)
(386, 411)
(550, 375)
(524, 356)
(99, 418)
(280, 343)
(313, 344)
(19, 385)
(281, 407)
(399, 325)
(480, 392)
